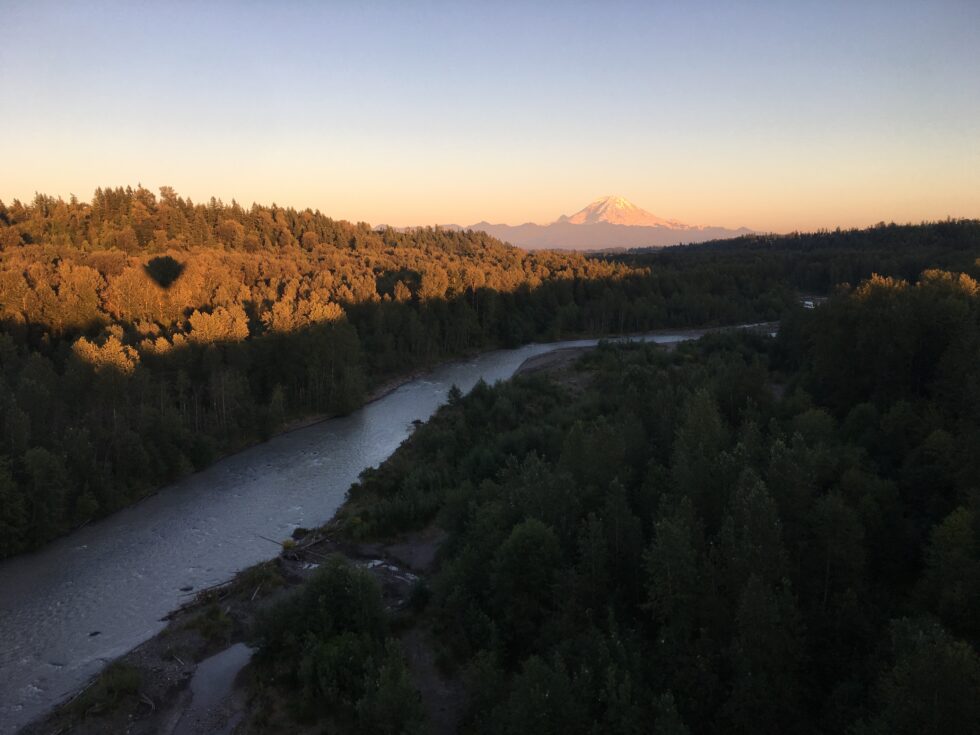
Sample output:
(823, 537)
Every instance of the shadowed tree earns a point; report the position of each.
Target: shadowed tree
(522, 578)
(766, 657)
(932, 687)
(164, 270)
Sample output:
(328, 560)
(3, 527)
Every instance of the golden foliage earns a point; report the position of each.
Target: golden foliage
(110, 355)
(221, 325)
(879, 285)
(955, 281)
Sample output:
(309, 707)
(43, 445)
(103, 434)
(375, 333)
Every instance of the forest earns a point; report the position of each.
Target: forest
(743, 534)
(142, 336)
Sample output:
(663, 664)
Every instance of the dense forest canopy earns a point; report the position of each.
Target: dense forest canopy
(160, 266)
(141, 335)
(743, 535)
(819, 262)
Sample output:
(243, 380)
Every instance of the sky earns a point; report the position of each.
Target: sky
(777, 115)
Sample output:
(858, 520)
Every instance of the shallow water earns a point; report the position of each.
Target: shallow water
(211, 687)
(68, 609)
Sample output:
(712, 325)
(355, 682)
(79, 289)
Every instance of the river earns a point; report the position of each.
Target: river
(73, 606)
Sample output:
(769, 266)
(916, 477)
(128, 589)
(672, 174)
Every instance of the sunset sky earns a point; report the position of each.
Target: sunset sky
(772, 115)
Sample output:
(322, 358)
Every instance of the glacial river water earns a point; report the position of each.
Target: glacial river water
(68, 609)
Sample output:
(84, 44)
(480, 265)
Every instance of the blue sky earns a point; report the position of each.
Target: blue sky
(773, 115)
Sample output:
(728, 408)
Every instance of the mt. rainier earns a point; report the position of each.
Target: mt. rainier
(617, 210)
(609, 222)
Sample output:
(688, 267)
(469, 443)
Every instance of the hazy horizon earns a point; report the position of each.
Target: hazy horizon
(772, 116)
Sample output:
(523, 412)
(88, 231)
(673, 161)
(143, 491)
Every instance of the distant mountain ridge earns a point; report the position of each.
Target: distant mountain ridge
(609, 222)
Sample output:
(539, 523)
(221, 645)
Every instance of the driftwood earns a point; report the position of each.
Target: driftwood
(219, 587)
(317, 554)
(223, 586)
(146, 700)
(297, 549)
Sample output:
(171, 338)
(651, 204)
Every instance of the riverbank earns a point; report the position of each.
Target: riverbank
(164, 670)
(559, 360)
(150, 690)
(117, 577)
(375, 394)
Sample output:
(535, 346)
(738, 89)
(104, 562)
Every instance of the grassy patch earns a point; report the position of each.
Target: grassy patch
(214, 624)
(118, 683)
(260, 579)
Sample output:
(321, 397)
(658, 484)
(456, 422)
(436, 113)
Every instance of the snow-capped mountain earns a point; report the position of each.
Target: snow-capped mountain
(617, 210)
(609, 222)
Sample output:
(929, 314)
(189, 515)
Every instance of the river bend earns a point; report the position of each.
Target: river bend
(73, 606)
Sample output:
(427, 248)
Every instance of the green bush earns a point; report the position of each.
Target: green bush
(328, 646)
